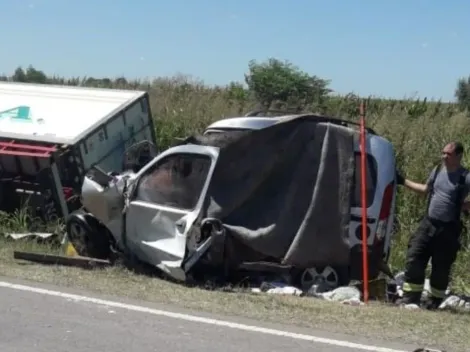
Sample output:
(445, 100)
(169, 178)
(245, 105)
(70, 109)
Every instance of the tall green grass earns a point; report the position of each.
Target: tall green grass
(418, 130)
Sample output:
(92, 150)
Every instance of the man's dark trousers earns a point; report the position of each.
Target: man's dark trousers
(440, 242)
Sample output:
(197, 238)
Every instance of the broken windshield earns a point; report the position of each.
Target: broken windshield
(176, 181)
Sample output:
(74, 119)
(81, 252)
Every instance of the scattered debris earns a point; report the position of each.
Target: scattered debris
(452, 301)
(20, 236)
(455, 302)
(346, 295)
(278, 288)
(352, 295)
(82, 262)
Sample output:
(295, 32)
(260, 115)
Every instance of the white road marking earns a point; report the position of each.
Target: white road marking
(196, 319)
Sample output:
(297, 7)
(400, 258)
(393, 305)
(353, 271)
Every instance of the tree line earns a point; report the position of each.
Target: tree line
(273, 84)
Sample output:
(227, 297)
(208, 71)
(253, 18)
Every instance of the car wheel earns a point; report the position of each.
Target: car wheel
(329, 276)
(84, 235)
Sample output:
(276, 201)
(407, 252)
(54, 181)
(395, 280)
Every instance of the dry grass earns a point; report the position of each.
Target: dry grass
(377, 321)
(418, 131)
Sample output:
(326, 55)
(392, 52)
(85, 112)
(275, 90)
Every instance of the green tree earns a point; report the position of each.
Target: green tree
(236, 95)
(31, 75)
(279, 84)
(98, 82)
(19, 75)
(35, 76)
(121, 81)
(462, 93)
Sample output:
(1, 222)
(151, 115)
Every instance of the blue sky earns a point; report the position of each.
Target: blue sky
(388, 48)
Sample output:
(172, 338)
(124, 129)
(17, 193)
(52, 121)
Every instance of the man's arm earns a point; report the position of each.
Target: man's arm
(417, 187)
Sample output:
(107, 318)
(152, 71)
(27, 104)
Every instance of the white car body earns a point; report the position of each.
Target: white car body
(161, 234)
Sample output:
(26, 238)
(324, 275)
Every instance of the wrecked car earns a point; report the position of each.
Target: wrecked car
(381, 193)
(281, 199)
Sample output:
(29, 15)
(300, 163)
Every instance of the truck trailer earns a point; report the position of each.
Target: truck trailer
(50, 137)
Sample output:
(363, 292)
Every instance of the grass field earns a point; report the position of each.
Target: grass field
(440, 330)
(418, 131)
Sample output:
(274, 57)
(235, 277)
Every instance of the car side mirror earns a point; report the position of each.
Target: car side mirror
(99, 176)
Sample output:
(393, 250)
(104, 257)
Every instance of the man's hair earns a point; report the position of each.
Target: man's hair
(458, 148)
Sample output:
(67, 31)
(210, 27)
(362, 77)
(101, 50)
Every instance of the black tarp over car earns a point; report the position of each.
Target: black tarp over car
(283, 193)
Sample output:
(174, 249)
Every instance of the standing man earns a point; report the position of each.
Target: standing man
(438, 234)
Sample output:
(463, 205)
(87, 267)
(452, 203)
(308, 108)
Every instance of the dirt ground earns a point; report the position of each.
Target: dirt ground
(440, 329)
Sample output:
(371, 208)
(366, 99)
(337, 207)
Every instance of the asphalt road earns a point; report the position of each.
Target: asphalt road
(38, 321)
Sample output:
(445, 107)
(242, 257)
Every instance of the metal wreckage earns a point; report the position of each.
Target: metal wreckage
(274, 202)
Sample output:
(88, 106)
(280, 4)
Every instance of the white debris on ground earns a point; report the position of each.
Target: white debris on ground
(345, 295)
(278, 288)
(20, 236)
(352, 296)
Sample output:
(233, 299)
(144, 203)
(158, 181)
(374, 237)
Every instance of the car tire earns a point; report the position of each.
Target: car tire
(84, 232)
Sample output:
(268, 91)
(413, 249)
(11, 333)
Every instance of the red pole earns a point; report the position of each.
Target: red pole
(365, 264)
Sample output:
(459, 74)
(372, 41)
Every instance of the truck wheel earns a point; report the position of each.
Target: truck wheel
(84, 234)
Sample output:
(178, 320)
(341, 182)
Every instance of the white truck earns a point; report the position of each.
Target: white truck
(50, 136)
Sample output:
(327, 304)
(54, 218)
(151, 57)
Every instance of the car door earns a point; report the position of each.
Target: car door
(166, 199)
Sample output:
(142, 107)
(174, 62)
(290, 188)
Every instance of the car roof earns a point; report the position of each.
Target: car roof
(252, 123)
(260, 122)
